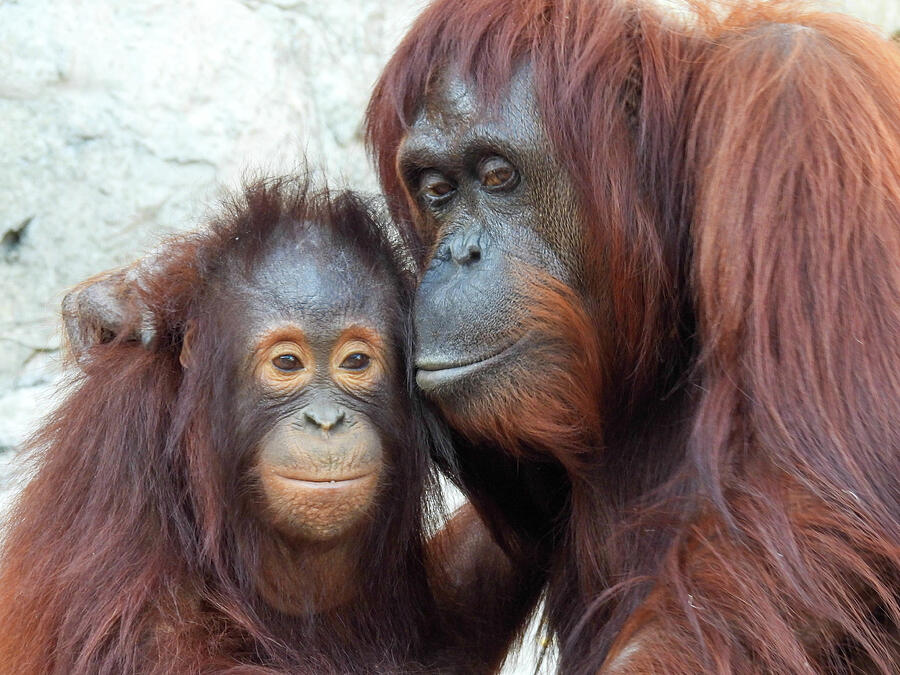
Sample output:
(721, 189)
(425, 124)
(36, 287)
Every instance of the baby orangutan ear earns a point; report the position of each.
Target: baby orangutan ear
(185, 357)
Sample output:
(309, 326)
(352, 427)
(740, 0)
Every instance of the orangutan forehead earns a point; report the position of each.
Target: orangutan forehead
(315, 278)
(457, 124)
(453, 97)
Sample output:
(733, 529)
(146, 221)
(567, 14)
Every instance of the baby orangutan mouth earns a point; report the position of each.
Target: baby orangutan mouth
(320, 467)
(325, 483)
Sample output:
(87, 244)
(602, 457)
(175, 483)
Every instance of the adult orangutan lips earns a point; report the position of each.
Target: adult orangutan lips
(430, 376)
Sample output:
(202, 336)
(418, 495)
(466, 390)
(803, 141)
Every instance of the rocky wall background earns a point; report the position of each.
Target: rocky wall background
(119, 122)
(122, 121)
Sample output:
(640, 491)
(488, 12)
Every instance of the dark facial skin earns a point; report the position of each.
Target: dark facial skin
(317, 351)
(499, 207)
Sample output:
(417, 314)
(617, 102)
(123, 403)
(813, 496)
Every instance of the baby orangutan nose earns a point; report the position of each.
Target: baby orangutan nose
(324, 415)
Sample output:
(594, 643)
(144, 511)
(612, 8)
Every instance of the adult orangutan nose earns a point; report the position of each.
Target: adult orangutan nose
(465, 248)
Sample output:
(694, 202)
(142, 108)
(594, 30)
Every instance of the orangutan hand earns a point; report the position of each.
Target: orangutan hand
(96, 310)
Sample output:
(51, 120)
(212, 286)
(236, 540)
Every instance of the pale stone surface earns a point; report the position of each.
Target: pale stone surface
(120, 121)
(883, 14)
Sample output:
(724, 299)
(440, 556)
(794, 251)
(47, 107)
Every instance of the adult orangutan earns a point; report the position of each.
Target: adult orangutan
(248, 495)
(668, 258)
(663, 288)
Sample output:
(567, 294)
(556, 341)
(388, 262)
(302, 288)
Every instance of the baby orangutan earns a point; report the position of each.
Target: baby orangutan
(246, 494)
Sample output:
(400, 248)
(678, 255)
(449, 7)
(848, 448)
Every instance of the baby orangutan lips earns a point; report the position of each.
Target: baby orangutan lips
(321, 486)
(320, 507)
(328, 483)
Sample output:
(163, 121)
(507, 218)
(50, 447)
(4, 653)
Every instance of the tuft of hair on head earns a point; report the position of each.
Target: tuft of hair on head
(251, 222)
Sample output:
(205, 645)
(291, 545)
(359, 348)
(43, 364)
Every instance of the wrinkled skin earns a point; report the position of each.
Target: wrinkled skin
(499, 208)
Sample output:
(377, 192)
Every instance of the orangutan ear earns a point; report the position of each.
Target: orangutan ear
(185, 357)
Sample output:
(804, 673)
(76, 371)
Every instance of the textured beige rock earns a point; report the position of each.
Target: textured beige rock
(119, 122)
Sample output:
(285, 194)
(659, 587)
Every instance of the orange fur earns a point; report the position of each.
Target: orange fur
(736, 505)
(140, 544)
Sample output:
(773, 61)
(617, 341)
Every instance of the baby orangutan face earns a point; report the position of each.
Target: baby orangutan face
(319, 364)
(321, 465)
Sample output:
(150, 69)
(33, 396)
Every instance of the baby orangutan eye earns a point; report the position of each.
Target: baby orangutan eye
(355, 361)
(287, 363)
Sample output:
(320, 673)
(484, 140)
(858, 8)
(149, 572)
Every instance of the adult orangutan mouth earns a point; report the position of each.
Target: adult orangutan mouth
(430, 376)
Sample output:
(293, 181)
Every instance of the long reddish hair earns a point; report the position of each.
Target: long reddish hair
(136, 546)
(739, 179)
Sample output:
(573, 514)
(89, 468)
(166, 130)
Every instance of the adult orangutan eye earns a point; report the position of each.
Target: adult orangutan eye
(287, 363)
(496, 172)
(434, 187)
(356, 361)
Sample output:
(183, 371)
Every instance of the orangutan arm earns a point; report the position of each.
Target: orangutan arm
(484, 598)
(737, 610)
